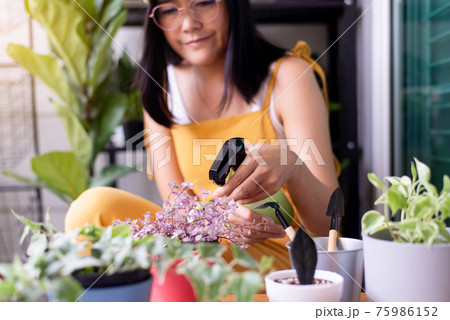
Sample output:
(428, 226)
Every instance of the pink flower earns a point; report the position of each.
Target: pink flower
(191, 218)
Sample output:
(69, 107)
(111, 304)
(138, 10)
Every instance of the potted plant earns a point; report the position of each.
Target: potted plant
(89, 264)
(407, 259)
(199, 225)
(19, 283)
(79, 72)
(304, 283)
(184, 247)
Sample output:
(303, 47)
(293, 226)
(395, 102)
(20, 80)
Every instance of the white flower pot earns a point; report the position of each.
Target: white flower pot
(397, 271)
(281, 292)
(347, 260)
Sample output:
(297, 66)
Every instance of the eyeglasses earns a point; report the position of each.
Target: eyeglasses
(169, 17)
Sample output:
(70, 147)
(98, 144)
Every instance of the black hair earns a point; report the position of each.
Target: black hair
(247, 61)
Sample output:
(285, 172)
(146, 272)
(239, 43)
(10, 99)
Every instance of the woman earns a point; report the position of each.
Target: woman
(209, 77)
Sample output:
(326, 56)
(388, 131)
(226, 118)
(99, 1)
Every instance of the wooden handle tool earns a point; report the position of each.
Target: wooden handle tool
(335, 210)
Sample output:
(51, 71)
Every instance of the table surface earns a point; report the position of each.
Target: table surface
(263, 298)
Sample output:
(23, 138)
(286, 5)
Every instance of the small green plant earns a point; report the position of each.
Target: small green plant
(21, 282)
(54, 258)
(419, 209)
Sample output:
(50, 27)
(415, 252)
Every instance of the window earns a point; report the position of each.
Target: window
(421, 78)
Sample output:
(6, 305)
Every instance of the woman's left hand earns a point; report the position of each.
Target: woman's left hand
(264, 171)
(246, 217)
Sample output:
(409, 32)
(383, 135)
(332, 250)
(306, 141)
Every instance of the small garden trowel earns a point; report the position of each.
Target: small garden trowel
(335, 210)
(304, 256)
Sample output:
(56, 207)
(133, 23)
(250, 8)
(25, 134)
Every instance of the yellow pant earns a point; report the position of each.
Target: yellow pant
(103, 205)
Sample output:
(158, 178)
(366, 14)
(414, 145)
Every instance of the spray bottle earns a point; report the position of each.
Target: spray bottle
(229, 158)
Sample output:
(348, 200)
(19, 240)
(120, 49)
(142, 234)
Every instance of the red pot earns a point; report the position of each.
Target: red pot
(175, 288)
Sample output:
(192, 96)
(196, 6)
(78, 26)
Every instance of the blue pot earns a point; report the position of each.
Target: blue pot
(130, 286)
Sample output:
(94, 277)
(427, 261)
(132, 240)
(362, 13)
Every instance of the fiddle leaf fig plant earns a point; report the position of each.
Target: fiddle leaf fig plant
(418, 209)
(79, 72)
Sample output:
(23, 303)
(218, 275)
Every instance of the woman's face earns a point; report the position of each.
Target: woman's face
(196, 42)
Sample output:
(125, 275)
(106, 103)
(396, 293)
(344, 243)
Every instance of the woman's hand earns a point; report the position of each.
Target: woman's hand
(264, 171)
(253, 234)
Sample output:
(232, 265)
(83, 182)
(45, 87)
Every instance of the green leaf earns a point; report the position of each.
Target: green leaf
(34, 227)
(446, 184)
(37, 245)
(379, 228)
(396, 200)
(445, 207)
(44, 67)
(121, 230)
(89, 6)
(106, 122)
(376, 182)
(422, 207)
(410, 224)
(101, 59)
(92, 231)
(381, 199)
(123, 76)
(66, 289)
(406, 181)
(37, 184)
(75, 263)
(265, 264)
(413, 171)
(423, 171)
(78, 137)
(47, 224)
(393, 180)
(434, 232)
(210, 250)
(111, 9)
(193, 271)
(431, 189)
(62, 171)
(21, 178)
(207, 280)
(370, 220)
(245, 285)
(444, 233)
(243, 258)
(7, 290)
(108, 175)
(63, 26)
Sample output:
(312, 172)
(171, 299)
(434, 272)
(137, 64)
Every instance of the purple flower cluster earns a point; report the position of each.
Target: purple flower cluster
(191, 218)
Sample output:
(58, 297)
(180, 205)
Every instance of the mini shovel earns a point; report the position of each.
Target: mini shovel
(304, 256)
(335, 210)
(286, 226)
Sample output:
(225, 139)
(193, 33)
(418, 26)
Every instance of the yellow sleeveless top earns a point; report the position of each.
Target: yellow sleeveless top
(197, 144)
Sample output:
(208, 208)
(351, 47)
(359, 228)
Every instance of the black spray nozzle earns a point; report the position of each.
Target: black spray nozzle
(229, 157)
